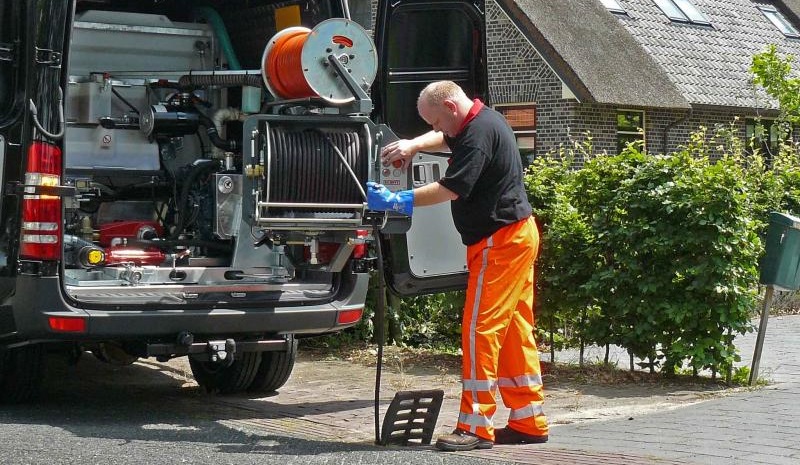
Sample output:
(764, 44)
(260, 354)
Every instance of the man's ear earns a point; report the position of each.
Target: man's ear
(451, 105)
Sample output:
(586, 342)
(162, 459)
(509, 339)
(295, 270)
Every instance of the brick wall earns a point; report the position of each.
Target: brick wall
(517, 74)
(682, 123)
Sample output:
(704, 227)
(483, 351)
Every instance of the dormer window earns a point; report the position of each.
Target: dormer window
(682, 11)
(780, 21)
(613, 6)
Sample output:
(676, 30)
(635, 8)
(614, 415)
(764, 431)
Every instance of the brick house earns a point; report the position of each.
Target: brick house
(610, 66)
(560, 68)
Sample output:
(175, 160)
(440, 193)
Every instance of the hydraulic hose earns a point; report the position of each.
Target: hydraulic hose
(75, 242)
(201, 168)
(213, 135)
(214, 19)
(205, 79)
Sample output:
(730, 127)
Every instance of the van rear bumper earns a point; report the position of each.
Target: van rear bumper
(39, 298)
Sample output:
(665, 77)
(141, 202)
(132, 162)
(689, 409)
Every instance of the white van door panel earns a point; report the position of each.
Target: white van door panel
(422, 41)
(434, 245)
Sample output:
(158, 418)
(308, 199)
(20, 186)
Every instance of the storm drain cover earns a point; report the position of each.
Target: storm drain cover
(411, 418)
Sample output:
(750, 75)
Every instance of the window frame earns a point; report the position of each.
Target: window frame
(522, 131)
(779, 20)
(682, 11)
(640, 133)
(765, 145)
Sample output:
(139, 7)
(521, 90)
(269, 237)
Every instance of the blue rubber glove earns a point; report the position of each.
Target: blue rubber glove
(379, 198)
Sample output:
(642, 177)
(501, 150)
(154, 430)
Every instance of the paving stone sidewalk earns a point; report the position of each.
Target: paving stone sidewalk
(746, 427)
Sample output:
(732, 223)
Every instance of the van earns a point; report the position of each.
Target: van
(183, 180)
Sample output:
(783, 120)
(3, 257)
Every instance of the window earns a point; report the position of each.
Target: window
(682, 10)
(432, 24)
(613, 6)
(522, 119)
(765, 135)
(630, 128)
(780, 21)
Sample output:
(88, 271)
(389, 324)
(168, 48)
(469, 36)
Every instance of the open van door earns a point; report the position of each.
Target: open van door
(421, 41)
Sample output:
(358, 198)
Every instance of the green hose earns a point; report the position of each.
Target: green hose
(215, 20)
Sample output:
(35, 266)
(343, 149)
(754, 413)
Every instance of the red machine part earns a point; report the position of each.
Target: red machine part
(327, 250)
(116, 255)
(118, 232)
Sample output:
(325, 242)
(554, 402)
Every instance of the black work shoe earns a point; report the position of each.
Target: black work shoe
(511, 436)
(460, 440)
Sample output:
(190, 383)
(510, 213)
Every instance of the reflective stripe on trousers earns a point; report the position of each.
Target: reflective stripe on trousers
(499, 352)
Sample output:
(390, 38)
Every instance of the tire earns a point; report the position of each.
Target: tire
(21, 373)
(275, 369)
(217, 378)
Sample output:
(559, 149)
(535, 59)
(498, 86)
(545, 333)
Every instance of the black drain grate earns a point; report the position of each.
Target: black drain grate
(412, 416)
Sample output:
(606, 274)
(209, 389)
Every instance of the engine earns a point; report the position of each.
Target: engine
(181, 166)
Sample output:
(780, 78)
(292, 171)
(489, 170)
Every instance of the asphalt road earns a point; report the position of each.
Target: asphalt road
(149, 413)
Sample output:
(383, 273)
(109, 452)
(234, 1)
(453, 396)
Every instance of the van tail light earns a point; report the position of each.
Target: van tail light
(41, 214)
(347, 317)
(67, 324)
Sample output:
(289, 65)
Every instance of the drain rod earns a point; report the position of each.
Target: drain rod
(380, 336)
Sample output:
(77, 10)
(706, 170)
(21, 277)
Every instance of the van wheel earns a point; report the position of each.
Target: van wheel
(21, 373)
(218, 378)
(275, 369)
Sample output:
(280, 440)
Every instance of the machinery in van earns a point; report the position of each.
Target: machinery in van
(189, 181)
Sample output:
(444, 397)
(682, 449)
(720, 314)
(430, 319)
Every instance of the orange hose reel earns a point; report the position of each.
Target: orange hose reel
(295, 62)
(284, 71)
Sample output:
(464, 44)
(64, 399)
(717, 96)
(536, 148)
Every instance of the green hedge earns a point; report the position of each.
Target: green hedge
(657, 254)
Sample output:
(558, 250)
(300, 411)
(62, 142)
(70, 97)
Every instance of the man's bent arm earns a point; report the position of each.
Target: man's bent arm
(431, 141)
(431, 194)
(405, 149)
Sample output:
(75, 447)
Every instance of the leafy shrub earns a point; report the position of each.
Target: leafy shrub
(657, 254)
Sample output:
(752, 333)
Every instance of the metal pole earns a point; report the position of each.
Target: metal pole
(762, 330)
(380, 336)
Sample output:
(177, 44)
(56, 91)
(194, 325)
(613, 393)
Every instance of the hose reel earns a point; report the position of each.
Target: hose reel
(335, 61)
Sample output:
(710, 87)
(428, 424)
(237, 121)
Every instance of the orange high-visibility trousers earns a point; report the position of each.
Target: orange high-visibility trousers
(499, 351)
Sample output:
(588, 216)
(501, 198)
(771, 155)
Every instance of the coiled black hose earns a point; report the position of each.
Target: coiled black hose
(305, 166)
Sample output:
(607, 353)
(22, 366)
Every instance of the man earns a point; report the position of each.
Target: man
(491, 212)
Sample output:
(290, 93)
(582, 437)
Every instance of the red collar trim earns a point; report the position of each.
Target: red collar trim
(477, 106)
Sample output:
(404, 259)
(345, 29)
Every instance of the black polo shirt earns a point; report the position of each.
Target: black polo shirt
(486, 172)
